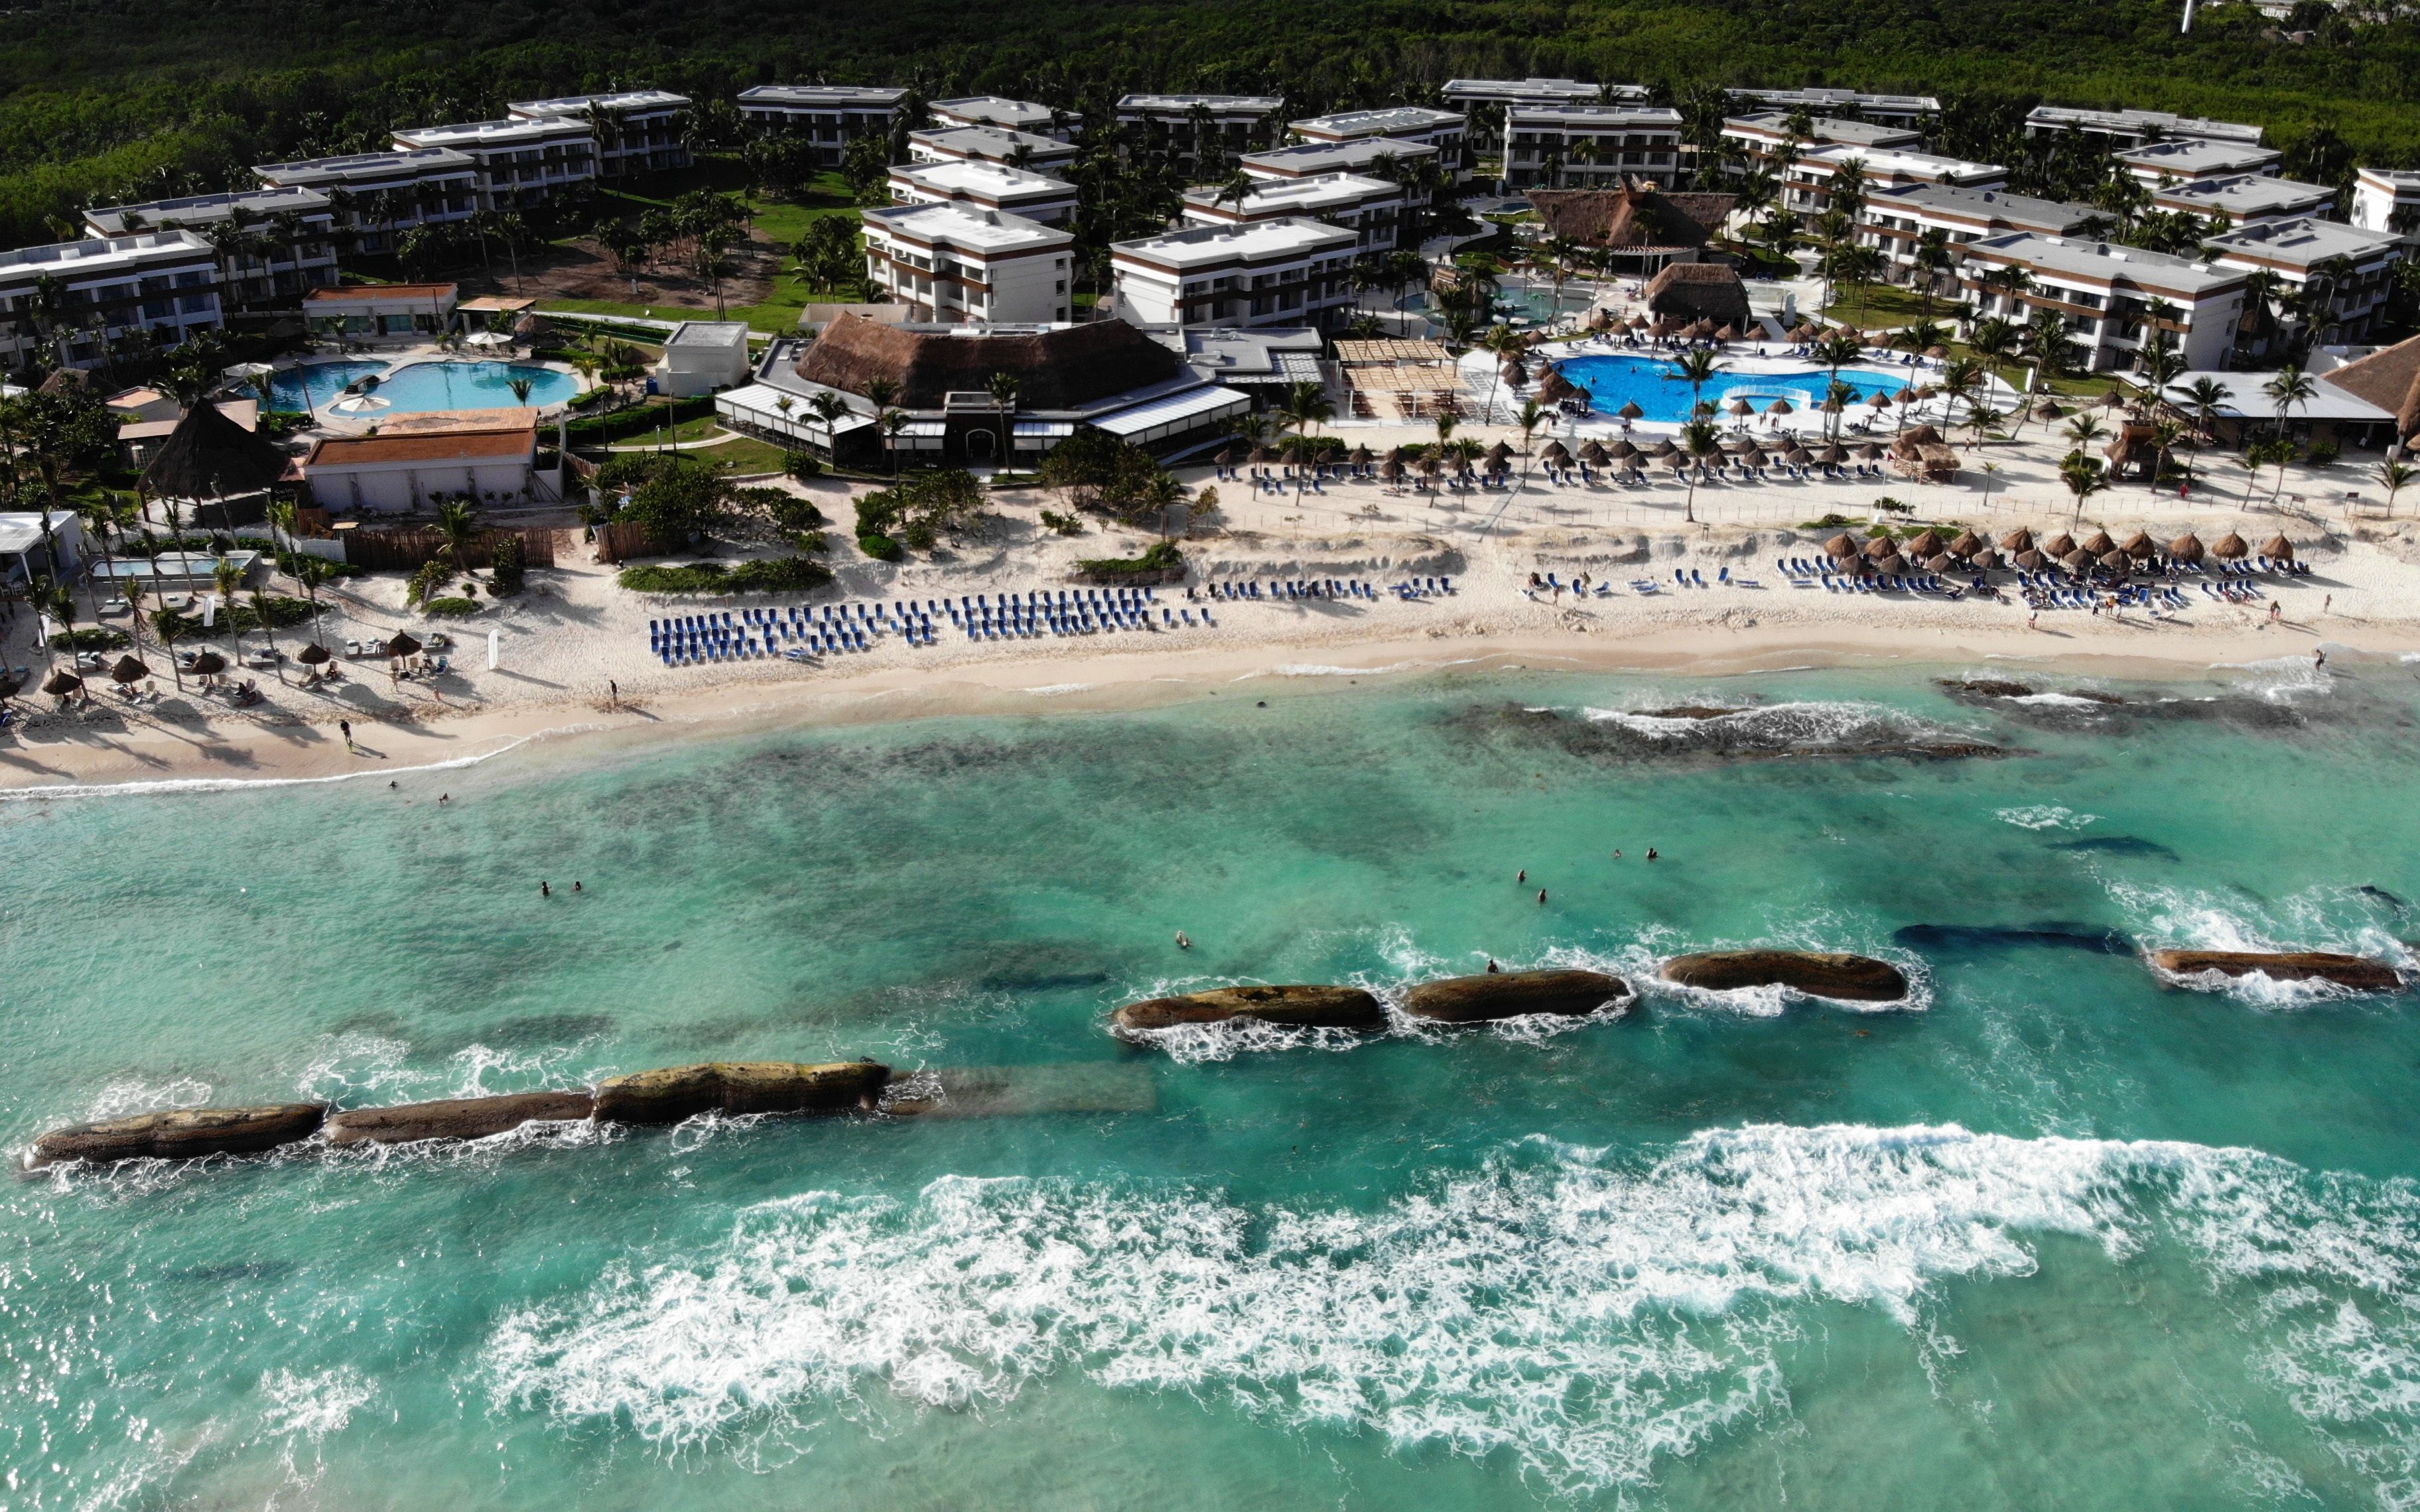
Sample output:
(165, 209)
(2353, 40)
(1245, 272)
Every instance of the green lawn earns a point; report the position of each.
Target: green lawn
(747, 454)
(1879, 304)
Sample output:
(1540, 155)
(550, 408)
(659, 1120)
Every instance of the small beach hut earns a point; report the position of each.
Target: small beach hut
(2278, 549)
(2230, 548)
(130, 669)
(2186, 547)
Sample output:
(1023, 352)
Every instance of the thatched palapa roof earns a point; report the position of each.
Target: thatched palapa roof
(1699, 291)
(1065, 369)
(1635, 216)
(210, 456)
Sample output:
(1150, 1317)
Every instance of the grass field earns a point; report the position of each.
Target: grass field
(784, 222)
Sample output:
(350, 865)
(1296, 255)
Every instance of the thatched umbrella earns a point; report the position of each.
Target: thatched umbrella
(2231, 547)
(1704, 411)
(1879, 399)
(1804, 331)
(1740, 407)
(2186, 547)
(1595, 454)
(1798, 456)
(2141, 546)
(1984, 561)
(1498, 451)
(1678, 461)
(1228, 457)
(1753, 457)
(1665, 327)
(210, 456)
(61, 682)
(314, 655)
(2031, 560)
(1399, 455)
(2060, 545)
(1967, 544)
(130, 669)
(1555, 452)
(2098, 543)
(1728, 333)
(1779, 406)
(2049, 409)
(210, 664)
(2118, 562)
(1390, 471)
(1891, 562)
(1928, 543)
(1704, 330)
(1834, 455)
(1620, 450)
(1943, 561)
(1736, 444)
(1631, 411)
(1362, 456)
(2278, 549)
(1842, 545)
(1663, 447)
(1870, 452)
(1936, 352)
(1516, 371)
(402, 645)
(1264, 453)
(2078, 562)
(1881, 547)
(1601, 321)
(2019, 539)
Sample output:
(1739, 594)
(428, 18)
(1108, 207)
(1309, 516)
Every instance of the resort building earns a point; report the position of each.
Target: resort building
(636, 130)
(1445, 131)
(1762, 137)
(1323, 160)
(376, 196)
(1190, 126)
(2387, 199)
(288, 246)
(1589, 146)
(827, 116)
(519, 163)
(1635, 228)
(950, 262)
(1897, 220)
(489, 453)
(1002, 115)
(2106, 293)
(2246, 198)
(1467, 92)
(985, 186)
(701, 356)
(29, 538)
(1807, 189)
(2347, 411)
(1104, 373)
(2189, 160)
(366, 311)
(1265, 363)
(2344, 273)
(2119, 130)
(988, 144)
(1283, 272)
(1371, 209)
(70, 303)
(1882, 110)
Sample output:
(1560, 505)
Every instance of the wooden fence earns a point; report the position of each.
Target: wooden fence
(407, 550)
(621, 540)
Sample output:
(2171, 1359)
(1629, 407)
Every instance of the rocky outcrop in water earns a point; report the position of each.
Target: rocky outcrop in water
(1694, 735)
(676, 1092)
(461, 1117)
(2357, 972)
(1308, 1007)
(1024, 1091)
(1504, 994)
(1855, 979)
(182, 1134)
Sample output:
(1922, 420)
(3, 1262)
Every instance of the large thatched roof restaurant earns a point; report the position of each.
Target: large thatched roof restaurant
(1106, 374)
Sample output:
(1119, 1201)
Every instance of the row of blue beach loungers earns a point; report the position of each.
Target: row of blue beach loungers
(799, 632)
(1285, 590)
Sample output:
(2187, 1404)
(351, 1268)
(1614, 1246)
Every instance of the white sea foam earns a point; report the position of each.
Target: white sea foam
(1049, 691)
(312, 1406)
(1809, 725)
(2045, 816)
(1585, 1313)
(2338, 919)
(167, 786)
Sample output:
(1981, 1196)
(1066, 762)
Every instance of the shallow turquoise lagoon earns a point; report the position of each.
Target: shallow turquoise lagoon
(2057, 1235)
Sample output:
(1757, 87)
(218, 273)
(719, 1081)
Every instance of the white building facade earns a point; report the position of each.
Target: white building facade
(2387, 199)
(1283, 272)
(951, 263)
(1003, 114)
(1446, 130)
(985, 186)
(636, 130)
(1582, 146)
(2119, 130)
(519, 163)
(2106, 294)
(374, 197)
(2188, 159)
(2346, 272)
(287, 246)
(1809, 187)
(1371, 209)
(988, 144)
(68, 304)
(826, 117)
(1896, 221)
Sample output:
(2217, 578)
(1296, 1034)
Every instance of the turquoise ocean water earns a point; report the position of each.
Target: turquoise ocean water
(2057, 1235)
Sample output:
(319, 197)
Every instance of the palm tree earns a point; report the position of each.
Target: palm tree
(268, 629)
(1702, 439)
(2206, 397)
(1932, 258)
(895, 424)
(2395, 476)
(521, 387)
(1695, 367)
(227, 580)
(1836, 350)
(1162, 493)
(1002, 389)
(2084, 476)
(831, 408)
(2082, 432)
(1306, 405)
(2292, 388)
(458, 520)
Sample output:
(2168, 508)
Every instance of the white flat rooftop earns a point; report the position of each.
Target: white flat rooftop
(2023, 211)
(990, 142)
(617, 102)
(717, 334)
(2101, 261)
(997, 110)
(2245, 401)
(1890, 161)
(1540, 89)
(98, 255)
(824, 95)
(2193, 156)
(1310, 158)
(1389, 123)
(1298, 197)
(1592, 118)
(2137, 121)
(1259, 241)
(1812, 98)
(21, 530)
(506, 133)
(1254, 104)
(978, 176)
(207, 209)
(955, 226)
(2302, 241)
(2245, 194)
(1825, 129)
(355, 166)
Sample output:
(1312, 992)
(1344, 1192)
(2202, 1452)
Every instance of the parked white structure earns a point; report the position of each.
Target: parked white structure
(2121, 129)
(1884, 110)
(1283, 273)
(1897, 220)
(2247, 197)
(378, 197)
(1808, 187)
(1003, 114)
(105, 288)
(1589, 146)
(490, 454)
(2387, 199)
(2106, 293)
(826, 116)
(636, 130)
(985, 186)
(2344, 272)
(701, 356)
(289, 247)
(521, 162)
(2193, 157)
(987, 144)
(949, 262)
(1371, 209)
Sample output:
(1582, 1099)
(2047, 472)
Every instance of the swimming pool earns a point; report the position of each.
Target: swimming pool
(1616, 379)
(418, 386)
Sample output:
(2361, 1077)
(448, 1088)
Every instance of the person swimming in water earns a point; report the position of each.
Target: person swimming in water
(1183, 943)
(1650, 853)
(1491, 967)
(544, 890)
(1542, 895)
(1523, 876)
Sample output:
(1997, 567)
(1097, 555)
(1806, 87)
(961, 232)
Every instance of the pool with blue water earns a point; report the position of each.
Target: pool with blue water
(422, 386)
(1614, 380)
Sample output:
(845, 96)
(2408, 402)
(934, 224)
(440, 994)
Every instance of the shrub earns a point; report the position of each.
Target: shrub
(451, 607)
(919, 536)
(815, 540)
(239, 618)
(428, 581)
(1058, 524)
(91, 639)
(775, 575)
(1164, 557)
(508, 561)
(878, 545)
(801, 464)
(2323, 454)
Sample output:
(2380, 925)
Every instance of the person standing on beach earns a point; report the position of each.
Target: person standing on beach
(345, 727)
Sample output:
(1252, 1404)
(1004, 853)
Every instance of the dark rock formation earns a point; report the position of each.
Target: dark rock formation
(463, 1118)
(2357, 972)
(676, 1092)
(1505, 994)
(182, 1134)
(1854, 978)
(1988, 687)
(1311, 1007)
